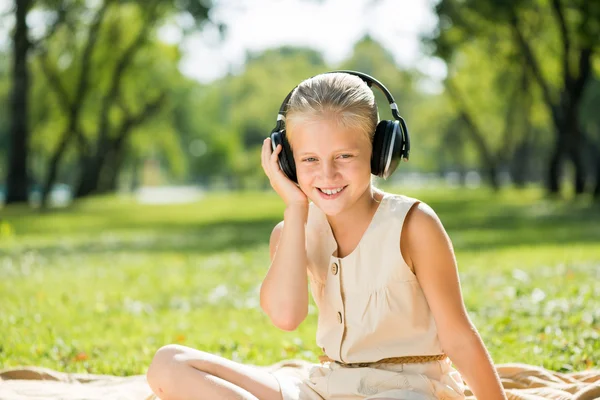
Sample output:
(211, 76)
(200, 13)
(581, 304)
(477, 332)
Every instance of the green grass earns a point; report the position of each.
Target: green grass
(99, 287)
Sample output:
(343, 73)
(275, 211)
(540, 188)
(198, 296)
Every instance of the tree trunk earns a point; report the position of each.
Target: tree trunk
(112, 168)
(579, 169)
(109, 155)
(568, 143)
(521, 161)
(554, 169)
(519, 166)
(594, 154)
(53, 169)
(17, 180)
(491, 172)
(576, 149)
(112, 180)
(596, 192)
(90, 176)
(573, 151)
(92, 168)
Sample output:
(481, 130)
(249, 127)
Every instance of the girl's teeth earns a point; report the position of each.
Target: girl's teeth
(330, 192)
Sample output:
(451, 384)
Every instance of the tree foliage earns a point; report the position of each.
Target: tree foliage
(107, 98)
(555, 40)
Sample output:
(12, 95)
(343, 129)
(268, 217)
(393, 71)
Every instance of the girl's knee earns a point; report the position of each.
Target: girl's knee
(167, 353)
(162, 371)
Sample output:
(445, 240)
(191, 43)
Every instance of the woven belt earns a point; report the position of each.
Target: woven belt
(391, 360)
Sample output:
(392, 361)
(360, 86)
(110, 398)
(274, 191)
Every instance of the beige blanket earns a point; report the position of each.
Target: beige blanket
(522, 382)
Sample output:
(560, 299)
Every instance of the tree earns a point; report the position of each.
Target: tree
(534, 27)
(17, 179)
(5, 87)
(490, 88)
(64, 20)
(591, 126)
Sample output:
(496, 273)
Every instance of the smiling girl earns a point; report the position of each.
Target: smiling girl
(380, 266)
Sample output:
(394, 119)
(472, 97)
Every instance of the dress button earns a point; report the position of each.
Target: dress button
(334, 268)
(339, 315)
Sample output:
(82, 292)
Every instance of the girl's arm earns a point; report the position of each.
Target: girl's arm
(428, 250)
(284, 291)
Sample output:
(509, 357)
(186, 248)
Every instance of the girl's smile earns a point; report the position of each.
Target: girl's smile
(331, 193)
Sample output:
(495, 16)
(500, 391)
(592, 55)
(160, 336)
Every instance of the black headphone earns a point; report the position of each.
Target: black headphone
(390, 142)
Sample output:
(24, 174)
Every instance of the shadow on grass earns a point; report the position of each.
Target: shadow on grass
(199, 239)
(473, 223)
(481, 225)
(491, 232)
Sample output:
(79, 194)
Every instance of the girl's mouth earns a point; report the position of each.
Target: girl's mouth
(331, 193)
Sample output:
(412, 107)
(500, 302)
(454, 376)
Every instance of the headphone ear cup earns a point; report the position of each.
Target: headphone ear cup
(285, 157)
(377, 162)
(388, 143)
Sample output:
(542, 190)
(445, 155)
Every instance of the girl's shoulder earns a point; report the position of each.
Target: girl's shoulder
(400, 198)
(416, 216)
(411, 209)
(399, 203)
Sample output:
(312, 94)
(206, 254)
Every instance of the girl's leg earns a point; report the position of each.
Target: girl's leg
(182, 373)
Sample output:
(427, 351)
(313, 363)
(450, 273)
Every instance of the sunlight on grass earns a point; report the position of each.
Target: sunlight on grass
(100, 287)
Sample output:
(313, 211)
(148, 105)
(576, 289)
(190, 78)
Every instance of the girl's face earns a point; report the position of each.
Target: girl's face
(333, 164)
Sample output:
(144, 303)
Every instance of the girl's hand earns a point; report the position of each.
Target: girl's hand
(291, 194)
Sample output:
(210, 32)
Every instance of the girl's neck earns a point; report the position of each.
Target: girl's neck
(362, 211)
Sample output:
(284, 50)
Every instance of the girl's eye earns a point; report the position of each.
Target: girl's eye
(310, 159)
(346, 156)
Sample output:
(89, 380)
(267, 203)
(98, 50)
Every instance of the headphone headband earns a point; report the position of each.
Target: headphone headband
(368, 79)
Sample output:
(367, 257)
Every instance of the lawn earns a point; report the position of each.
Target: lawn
(100, 286)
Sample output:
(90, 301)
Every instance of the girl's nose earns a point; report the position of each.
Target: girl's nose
(329, 170)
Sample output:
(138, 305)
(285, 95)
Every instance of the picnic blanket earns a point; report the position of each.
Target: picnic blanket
(521, 381)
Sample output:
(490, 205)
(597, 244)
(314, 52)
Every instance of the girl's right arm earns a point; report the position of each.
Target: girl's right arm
(284, 291)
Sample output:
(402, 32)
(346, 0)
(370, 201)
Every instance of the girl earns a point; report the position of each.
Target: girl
(381, 270)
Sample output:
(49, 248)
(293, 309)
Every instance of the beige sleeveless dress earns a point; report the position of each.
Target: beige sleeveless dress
(371, 307)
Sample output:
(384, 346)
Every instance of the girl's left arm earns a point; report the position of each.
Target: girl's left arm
(427, 248)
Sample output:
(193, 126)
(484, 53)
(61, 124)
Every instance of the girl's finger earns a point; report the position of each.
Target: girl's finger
(276, 152)
(265, 152)
(275, 158)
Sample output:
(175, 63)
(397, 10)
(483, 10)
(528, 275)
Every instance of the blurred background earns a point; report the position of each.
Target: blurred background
(134, 211)
(114, 96)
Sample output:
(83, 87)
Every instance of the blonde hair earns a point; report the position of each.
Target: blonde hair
(344, 97)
